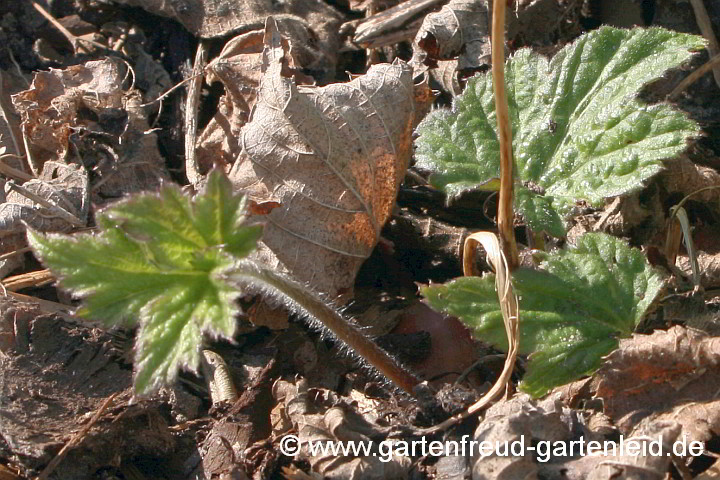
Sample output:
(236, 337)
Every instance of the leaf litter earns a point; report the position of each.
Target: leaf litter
(91, 141)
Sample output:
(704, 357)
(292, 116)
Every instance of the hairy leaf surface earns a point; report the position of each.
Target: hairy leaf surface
(572, 312)
(157, 262)
(579, 133)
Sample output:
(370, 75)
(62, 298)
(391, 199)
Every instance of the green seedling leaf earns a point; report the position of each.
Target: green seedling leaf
(572, 312)
(579, 133)
(158, 261)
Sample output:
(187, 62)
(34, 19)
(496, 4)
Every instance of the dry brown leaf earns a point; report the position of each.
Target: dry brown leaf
(511, 427)
(684, 176)
(626, 466)
(87, 105)
(216, 18)
(49, 108)
(459, 29)
(667, 376)
(63, 186)
(543, 22)
(455, 44)
(333, 157)
(239, 67)
(149, 74)
(319, 416)
(445, 74)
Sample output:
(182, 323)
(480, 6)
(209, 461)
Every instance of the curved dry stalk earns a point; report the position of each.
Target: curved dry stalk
(510, 311)
(505, 207)
(501, 249)
(679, 218)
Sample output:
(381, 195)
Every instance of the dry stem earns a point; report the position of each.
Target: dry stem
(703, 21)
(505, 208)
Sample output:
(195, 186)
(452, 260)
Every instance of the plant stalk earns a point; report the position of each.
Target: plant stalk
(298, 299)
(505, 207)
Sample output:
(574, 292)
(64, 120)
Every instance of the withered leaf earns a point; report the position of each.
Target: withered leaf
(642, 466)
(63, 185)
(333, 157)
(460, 28)
(239, 67)
(319, 416)
(684, 176)
(87, 105)
(670, 375)
(216, 18)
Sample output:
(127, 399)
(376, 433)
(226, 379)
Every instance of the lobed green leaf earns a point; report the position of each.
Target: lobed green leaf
(158, 261)
(579, 133)
(572, 312)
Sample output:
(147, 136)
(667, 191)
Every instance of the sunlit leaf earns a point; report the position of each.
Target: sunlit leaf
(579, 132)
(572, 311)
(158, 261)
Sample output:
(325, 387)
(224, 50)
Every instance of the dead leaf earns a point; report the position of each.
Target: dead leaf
(263, 315)
(459, 29)
(262, 208)
(452, 349)
(505, 430)
(149, 74)
(543, 22)
(15, 320)
(216, 18)
(63, 186)
(239, 67)
(454, 42)
(667, 376)
(320, 416)
(10, 133)
(626, 466)
(334, 158)
(87, 105)
(684, 176)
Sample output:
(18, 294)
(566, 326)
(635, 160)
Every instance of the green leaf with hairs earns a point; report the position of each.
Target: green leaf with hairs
(579, 132)
(157, 261)
(572, 311)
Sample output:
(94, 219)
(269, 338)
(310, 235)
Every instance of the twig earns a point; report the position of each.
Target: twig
(14, 252)
(75, 41)
(392, 25)
(695, 76)
(17, 67)
(56, 209)
(191, 112)
(703, 21)
(505, 207)
(11, 172)
(37, 278)
(76, 439)
(172, 89)
(35, 169)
